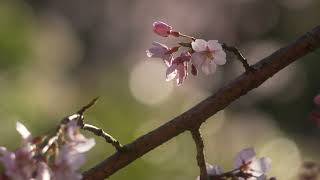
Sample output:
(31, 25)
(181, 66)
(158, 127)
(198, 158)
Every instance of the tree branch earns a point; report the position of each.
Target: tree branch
(194, 117)
(200, 153)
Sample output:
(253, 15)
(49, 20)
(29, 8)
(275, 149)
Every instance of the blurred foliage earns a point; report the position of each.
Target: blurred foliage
(57, 55)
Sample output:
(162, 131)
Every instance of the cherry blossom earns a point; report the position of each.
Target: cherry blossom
(178, 68)
(161, 51)
(20, 164)
(71, 157)
(161, 28)
(247, 162)
(27, 162)
(207, 55)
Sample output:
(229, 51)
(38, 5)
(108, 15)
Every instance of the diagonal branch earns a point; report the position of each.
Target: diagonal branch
(194, 117)
(200, 154)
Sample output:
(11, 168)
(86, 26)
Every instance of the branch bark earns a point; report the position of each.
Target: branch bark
(196, 135)
(194, 117)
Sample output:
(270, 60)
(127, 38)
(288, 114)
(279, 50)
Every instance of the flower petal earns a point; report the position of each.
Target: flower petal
(213, 45)
(85, 145)
(197, 60)
(182, 73)
(244, 156)
(209, 67)
(199, 45)
(23, 131)
(43, 172)
(171, 72)
(220, 57)
(260, 166)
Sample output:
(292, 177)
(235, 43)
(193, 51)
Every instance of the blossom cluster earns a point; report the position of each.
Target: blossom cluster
(41, 158)
(200, 54)
(247, 167)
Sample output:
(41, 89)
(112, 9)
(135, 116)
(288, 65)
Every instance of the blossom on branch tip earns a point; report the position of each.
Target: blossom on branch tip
(178, 68)
(247, 162)
(162, 29)
(161, 51)
(207, 55)
(71, 156)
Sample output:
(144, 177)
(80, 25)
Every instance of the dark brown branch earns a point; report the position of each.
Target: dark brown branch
(194, 117)
(200, 153)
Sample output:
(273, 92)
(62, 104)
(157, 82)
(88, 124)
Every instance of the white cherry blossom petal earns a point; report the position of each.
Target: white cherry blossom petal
(85, 145)
(197, 59)
(209, 67)
(213, 45)
(220, 58)
(199, 45)
(23, 131)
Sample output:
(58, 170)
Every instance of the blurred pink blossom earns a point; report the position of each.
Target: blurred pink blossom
(316, 100)
(20, 164)
(27, 162)
(207, 55)
(249, 164)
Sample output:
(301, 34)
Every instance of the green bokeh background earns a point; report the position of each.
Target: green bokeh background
(57, 55)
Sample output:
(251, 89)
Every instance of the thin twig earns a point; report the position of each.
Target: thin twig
(241, 58)
(86, 107)
(195, 116)
(99, 132)
(95, 130)
(200, 153)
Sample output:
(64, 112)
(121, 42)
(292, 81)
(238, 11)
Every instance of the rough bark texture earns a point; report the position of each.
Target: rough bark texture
(194, 117)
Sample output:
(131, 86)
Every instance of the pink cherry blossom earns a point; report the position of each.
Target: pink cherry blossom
(178, 68)
(248, 163)
(207, 55)
(161, 51)
(161, 28)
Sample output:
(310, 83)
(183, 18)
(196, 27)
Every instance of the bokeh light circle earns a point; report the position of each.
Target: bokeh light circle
(147, 82)
(286, 158)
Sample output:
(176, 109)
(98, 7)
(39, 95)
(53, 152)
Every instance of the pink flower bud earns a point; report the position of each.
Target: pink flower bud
(161, 28)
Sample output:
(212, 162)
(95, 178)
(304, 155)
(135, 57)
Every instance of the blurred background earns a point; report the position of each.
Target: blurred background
(56, 55)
